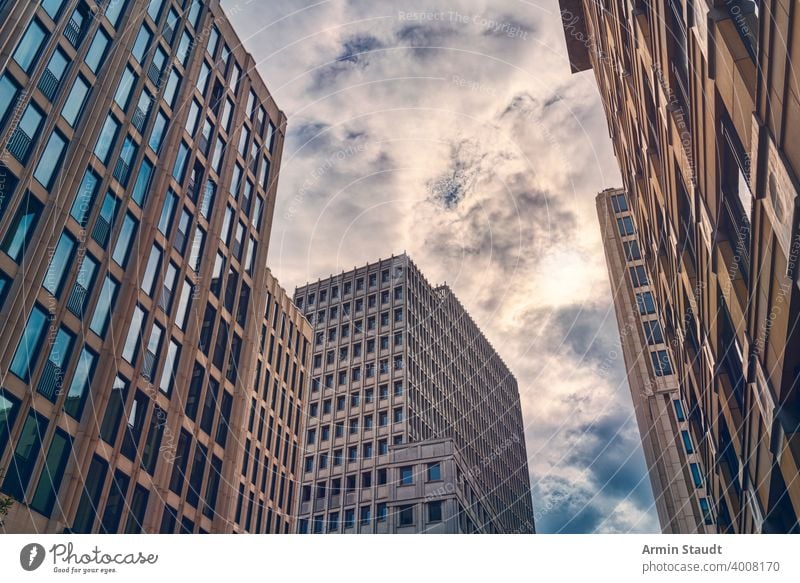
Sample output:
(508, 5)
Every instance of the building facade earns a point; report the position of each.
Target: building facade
(139, 164)
(414, 421)
(703, 111)
(675, 467)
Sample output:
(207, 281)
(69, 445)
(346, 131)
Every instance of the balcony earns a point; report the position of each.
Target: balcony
(51, 380)
(73, 32)
(121, 172)
(48, 84)
(148, 364)
(154, 74)
(77, 300)
(101, 230)
(139, 119)
(19, 145)
(165, 301)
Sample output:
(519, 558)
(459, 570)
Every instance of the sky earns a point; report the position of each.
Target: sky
(454, 131)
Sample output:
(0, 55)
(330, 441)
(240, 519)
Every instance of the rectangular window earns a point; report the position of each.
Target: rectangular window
(134, 340)
(170, 368)
(167, 213)
(76, 100)
(125, 241)
(679, 410)
(60, 261)
(99, 47)
(115, 505)
(9, 408)
(151, 270)
(25, 455)
(638, 276)
(645, 303)
(105, 303)
(696, 476)
(142, 185)
(93, 483)
(134, 426)
(22, 227)
(158, 131)
(142, 43)
(81, 381)
(116, 405)
(435, 511)
(434, 472)
(50, 161)
(687, 441)
(9, 91)
(661, 363)
(126, 84)
(27, 52)
(652, 332)
(52, 473)
(84, 198)
(619, 203)
(405, 515)
(406, 475)
(105, 140)
(179, 168)
(30, 344)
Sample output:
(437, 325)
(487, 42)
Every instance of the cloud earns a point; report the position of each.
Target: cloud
(481, 158)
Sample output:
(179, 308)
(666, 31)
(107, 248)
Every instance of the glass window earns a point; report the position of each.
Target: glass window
(26, 452)
(405, 515)
(434, 472)
(105, 140)
(219, 150)
(154, 9)
(125, 240)
(126, 84)
(115, 505)
(151, 270)
(52, 7)
(84, 198)
(26, 133)
(133, 341)
(116, 405)
(30, 45)
(197, 248)
(50, 162)
(625, 226)
(20, 231)
(619, 203)
(81, 380)
(92, 487)
(167, 213)
(170, 367)
(9, 408)
(184, 48)
(51, 77)
(435, 511)
(73, 106)
(142, 185)
(406, 475)
(52, 375)
(142, 43)
(52, 473)
(687, 441)
(105, 303)
(652, 332)
(179, 168)
(59, 263)
(661, 364)
(9, 89)
(679, 410)
(99, 47)
(696, 475)
(151, 447)
(646, 303)
(183, 305)
(158, 131)
(29, 344)
(171, 89)
(114, 9)
(135, 425)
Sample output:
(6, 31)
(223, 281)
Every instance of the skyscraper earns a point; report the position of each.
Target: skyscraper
(414, 421)
(675, 467)
(139, 165)
(703, 111)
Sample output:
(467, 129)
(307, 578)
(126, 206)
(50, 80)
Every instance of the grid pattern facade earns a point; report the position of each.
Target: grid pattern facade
(137, 185)
(675, 468)
(399, 362)
(703, 110)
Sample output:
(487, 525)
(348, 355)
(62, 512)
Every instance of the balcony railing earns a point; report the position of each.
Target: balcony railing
(121, 172)
(154, 74)
(50, 381)
(139, 119)
(48, 84)
(148, 364)
(77, 300)
(19, 145)
(101, 230)
(73, 32)
(165, 301)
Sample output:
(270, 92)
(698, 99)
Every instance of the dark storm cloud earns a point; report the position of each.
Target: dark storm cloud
(354, 53)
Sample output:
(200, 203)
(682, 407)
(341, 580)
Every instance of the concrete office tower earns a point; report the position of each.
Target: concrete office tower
(703, 111)
(139, 164)
(675, 469)
(414, 421)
